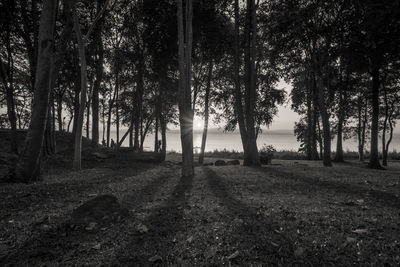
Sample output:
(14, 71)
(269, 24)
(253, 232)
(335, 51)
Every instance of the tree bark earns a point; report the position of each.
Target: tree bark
(97, 39)
(238, 93)
(325, 121)
(185, 69)
(374, 156)
(314, 135)
(385, 122)
(157, 107)
(252, 158)
(109, 115)
(82, 59)
(76, 103)
(7, 76)
(385, 156)
(139, 100)
(28, 166)
(309, 154)
(206, 112)
(88, 115)
(339, 141)
(361, 128)
(117, 106)
(163, 125)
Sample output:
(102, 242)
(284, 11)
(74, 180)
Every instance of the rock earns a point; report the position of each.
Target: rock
(142, 228)
(155, 258)
(360, 231)
(100, 210)
(220, 163)
(233, 255)
(233, 162)
(208, 164)
(101, 155)
(97, 246)
(299, 252)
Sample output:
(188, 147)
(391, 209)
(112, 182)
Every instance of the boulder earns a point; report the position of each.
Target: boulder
(220, 163)
(208, 164)
(98, 211)
(233, 162)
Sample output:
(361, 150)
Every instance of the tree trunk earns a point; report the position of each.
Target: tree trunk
(88, 116)
(97, 39)
(163, 125)
(385, 122)
(7, 77)
(117, 107)
(309, 153)
(314, 135)
(59, 113)
(339, 141)
(12, 118)
(131, 131)
(185, 69)
(385, 156)
(80, 115)
(104, 123)
(238, 93)
(76, 104)
(325, 122)
(206, 112)
(157, 107)
(109, 115)
(139, 99)
(252, 158)
(374, 156)
(28, 167)
(69, 123)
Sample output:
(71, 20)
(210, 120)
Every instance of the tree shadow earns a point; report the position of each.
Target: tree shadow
(164, 224)
(258, 237)
(382, 197)
(51, 244)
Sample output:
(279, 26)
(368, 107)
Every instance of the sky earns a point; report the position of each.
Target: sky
(284, 120)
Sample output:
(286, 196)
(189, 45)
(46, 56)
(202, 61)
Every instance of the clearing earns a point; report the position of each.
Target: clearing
(288, 213)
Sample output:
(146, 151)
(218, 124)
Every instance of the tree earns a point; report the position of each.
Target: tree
(7, 71)
(185, 36)
(82, 42)
(28, 166)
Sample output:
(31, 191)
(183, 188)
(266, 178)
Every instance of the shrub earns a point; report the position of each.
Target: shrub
(266, 154)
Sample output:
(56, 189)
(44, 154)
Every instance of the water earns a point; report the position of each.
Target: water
(280, 139)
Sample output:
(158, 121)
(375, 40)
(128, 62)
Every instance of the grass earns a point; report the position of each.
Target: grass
(288, 154)
(291, 213)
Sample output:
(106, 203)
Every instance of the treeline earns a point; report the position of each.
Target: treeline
(75, 66)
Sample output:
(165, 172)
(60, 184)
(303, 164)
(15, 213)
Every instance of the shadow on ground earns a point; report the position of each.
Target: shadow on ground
(164, 224)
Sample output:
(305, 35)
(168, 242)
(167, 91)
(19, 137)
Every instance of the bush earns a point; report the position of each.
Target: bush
(266, 154)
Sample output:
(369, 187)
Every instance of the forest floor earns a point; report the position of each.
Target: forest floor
(292, 213)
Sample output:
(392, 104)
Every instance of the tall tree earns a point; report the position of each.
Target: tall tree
(185, 38)
(82, 43)
(28, 167)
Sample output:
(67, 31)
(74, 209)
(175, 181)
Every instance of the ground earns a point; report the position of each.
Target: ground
(291, 213)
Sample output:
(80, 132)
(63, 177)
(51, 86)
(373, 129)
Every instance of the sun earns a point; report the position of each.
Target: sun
(197, 123)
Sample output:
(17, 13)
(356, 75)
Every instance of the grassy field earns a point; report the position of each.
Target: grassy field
(292, 213)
